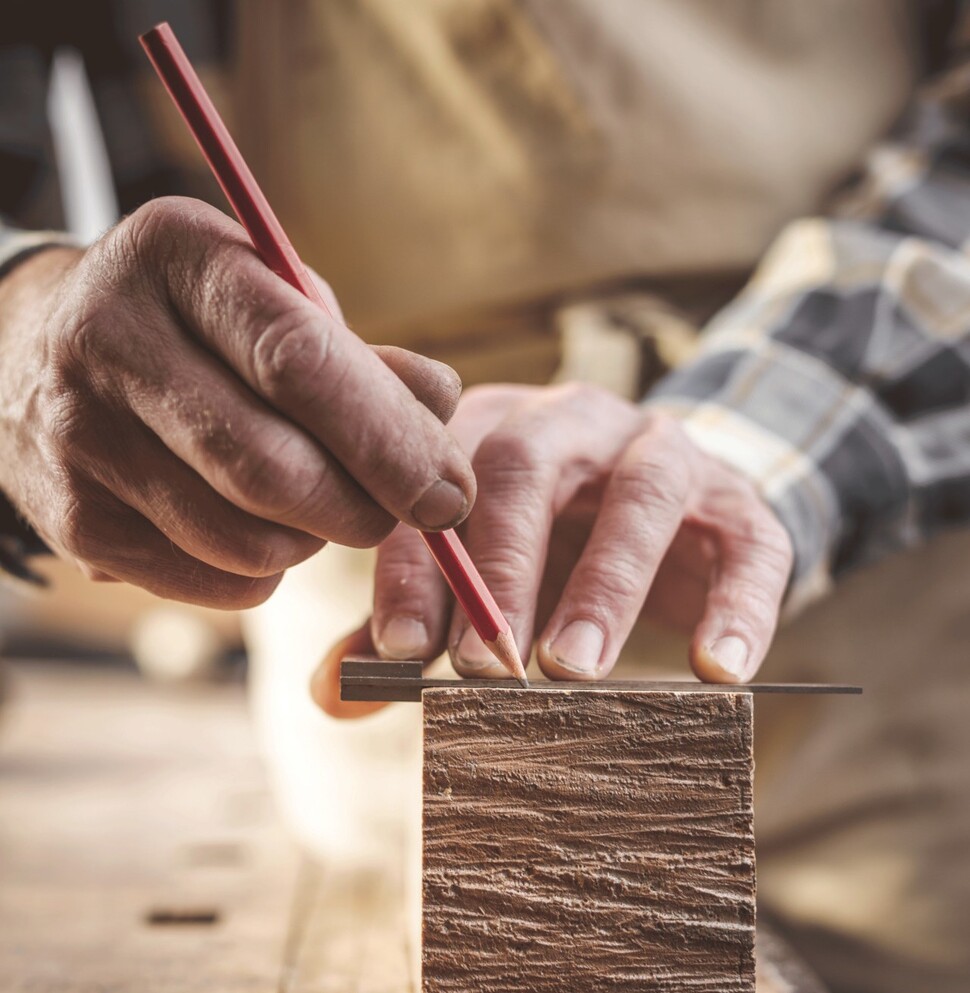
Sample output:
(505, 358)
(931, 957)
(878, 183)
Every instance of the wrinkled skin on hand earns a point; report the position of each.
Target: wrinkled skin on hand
(175, 415)
(591, 511)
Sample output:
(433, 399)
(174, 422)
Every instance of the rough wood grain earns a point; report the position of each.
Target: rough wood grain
(580, 841)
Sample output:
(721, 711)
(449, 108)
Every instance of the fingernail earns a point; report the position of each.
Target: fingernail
(731, 654)
(442, 505)
(473, 652)
(402, 638)
(578, 647)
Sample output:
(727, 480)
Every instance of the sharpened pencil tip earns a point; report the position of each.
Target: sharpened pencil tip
(506, 652)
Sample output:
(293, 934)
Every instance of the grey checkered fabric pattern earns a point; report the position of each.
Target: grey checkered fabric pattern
(839, 379)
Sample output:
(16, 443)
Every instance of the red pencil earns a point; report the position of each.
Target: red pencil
(257, 217)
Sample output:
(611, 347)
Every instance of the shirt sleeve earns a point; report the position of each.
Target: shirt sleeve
(16, 245)
(839, 379)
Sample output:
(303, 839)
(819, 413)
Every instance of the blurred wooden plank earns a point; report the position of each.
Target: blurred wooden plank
(121, 803)
(353, 932)
(588, 841)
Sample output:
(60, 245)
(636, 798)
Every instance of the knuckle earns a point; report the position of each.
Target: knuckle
(774, 549)
(508, 458)
(263, 556)
(80, 326)
(660, 424)
(268, 475)
(650, 482)
(77, 530)
(120, 271)
(292, 354)
(753, 526)
(371, 525)
(255, 483)
(753, 602)
(239, 592)
(398, 571)
(143, 244)
(148, 249)
(508, 570)
(151, 221)
(395, 574)
(607, 584)
(69, 423)
(579, 395)
(488, 400)
(155, 232)
(78, 348)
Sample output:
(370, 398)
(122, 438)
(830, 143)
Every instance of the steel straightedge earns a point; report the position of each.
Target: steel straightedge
(373, 679)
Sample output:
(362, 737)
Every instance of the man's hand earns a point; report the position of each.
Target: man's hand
(175, 415)
(590, 509)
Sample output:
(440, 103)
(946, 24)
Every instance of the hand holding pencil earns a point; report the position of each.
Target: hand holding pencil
(179, 417)
(443, 501)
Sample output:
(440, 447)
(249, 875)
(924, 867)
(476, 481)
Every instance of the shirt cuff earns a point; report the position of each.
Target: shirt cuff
(18, 246)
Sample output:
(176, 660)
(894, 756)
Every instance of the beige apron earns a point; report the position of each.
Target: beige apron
(449, 164)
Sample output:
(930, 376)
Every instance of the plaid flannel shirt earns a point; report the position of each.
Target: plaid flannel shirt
(839, 379)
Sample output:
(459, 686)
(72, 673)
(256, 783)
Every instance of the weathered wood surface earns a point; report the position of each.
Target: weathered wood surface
(588, 841)
(122, 803)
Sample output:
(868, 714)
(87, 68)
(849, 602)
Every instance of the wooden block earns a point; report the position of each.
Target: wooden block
(588, 841)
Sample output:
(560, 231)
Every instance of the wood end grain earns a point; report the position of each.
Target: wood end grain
(588, 841)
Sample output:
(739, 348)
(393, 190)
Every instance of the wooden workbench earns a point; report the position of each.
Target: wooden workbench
(140, 850)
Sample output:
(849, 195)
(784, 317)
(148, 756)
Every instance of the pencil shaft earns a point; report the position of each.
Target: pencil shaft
(226, 161)
(466, 583)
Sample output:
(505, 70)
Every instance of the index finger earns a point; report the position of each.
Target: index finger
(312, 368)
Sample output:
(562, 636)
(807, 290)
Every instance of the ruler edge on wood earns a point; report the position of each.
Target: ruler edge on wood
(374, 680)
